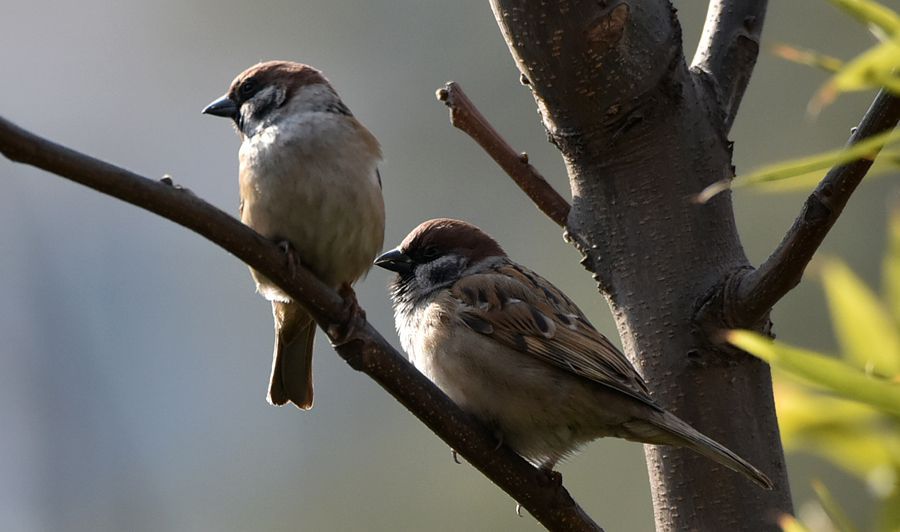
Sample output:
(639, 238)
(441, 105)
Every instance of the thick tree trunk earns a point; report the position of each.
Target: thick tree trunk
(640, 135)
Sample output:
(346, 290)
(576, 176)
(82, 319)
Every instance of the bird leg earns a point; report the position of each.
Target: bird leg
(550, 477)
(293, 260)
(345, 332)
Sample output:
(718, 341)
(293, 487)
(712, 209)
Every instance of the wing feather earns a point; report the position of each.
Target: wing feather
(520, 309)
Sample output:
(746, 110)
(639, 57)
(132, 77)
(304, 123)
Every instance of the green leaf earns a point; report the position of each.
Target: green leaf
(807, 57)
(888, 161)
(839, 377)
(837, 514)
(802, 410)
(865, 330)
(853, 436)
(865, 149)
(873, 68)
(891, 264)
(870, 12)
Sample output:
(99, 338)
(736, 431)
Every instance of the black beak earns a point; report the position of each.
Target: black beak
(395, 261)
(224, 107)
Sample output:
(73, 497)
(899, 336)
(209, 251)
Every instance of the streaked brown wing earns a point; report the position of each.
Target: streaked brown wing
(520, 309)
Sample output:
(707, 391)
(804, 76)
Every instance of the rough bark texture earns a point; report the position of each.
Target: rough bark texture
(640, 134)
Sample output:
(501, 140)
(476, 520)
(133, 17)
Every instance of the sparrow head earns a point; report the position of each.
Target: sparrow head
(259, 96)
(437, 253)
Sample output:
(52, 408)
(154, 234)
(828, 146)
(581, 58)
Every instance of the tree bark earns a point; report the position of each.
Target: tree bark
(641, 134)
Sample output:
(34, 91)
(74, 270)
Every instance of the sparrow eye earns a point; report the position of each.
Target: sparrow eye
(247, 88)
(430, 252)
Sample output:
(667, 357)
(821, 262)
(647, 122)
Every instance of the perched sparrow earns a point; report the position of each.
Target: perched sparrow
(511, 349)
(309, 180)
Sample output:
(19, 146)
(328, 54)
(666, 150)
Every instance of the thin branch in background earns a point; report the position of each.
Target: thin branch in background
(365, 350)
(467, 118)
(762, 288)
(728, 49)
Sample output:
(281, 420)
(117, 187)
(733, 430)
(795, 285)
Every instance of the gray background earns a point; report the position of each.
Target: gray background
(134, 354)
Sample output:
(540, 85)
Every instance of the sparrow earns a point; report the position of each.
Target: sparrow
(308, 176)
(512, 350)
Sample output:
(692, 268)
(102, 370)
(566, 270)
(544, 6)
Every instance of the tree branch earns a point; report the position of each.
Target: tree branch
(727, 51)
(366, 351)
(760, 289)
(467, 118)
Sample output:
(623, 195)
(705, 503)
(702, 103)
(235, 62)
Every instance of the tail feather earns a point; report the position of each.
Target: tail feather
(291, 379)
(686, 436)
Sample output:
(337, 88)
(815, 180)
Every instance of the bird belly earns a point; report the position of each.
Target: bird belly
(542, 413)
(330, 210)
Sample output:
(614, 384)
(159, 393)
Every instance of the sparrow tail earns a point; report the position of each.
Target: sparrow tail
(291, 379)
(681, 434)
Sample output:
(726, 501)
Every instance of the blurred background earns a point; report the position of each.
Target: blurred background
(134, 355)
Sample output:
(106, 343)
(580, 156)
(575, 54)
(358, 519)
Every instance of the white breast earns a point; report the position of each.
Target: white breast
(310, 178)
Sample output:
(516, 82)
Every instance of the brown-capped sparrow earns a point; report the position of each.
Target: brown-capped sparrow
(511, 349)
(308, 180)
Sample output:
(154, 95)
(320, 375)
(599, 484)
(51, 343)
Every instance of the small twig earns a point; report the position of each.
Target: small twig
(467, 118)
(728, 49)
(762, 288)
(367, 351)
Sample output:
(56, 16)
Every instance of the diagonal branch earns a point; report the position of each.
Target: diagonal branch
(466, 117)
(366, 351)
(727, 51)
(760, 289)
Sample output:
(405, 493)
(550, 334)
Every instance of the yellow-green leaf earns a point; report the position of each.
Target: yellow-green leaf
(888, 161)
(865, 149)
(807, 57)
(866, 331)
(870, 12)
(789, 523)
(873, 68)
(891, 265)
(839, 377)
(802, 410)
(854, 436)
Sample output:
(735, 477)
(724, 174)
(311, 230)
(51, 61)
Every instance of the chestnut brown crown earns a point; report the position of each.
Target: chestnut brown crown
(288, 74)
(446, 235)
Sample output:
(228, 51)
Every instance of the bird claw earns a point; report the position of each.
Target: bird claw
(499, 436)
(167, 180)
(293, 260)
(455, 456)
(550, 478)
(519, 509)
(345, 332)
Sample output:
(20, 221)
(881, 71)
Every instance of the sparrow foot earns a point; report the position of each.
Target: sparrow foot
(167, 180)
(455, 456)
(550, 478)
(499, 436)
(344, 332)
(290, 254)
